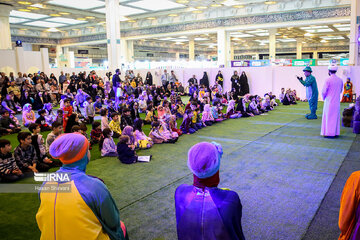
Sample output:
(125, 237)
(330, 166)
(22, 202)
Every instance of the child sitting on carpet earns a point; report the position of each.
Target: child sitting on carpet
(186, 124)
(56, 131)
(107, 145)
(9, 170)
(114, 125)
(126, 151)
(149, 115)
(129, 131)
(41, 121)
(95, 133)
(141, 140)
(155, 134)
(253, 108)
(28, 115)
(230, 111)
(104, 119)
(207, 116)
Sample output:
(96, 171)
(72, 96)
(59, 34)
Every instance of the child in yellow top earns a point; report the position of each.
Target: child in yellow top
(114, 125)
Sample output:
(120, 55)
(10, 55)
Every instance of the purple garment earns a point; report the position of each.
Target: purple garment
(208, 214)
(356, 231)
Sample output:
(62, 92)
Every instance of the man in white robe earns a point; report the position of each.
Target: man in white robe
(332, 89)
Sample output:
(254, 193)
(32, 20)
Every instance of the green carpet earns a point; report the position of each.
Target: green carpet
(278, 164)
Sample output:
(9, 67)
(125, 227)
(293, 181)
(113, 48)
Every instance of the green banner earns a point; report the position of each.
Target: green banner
(303, 62)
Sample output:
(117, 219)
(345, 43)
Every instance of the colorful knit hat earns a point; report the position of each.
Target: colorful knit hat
(204, 159)
(69, 148)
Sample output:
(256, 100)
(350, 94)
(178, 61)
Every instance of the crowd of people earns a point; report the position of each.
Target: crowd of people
(79, 98)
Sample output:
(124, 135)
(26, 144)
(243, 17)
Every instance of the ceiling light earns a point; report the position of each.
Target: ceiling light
(131, 21)
(172, 15)
(91, 17)
(14, 13)
(65, 20)
(197, 11)
(81, 19)
(101, 23)
(45, 24)
(64, 13)
(79, 4)
(24, 10)
(150, 18)
(53, 30)
(23, 29)
(179, 43)
(323, 41)
(38, 5)
(239, 6)
(270, 2)
(307, 34)
(201, 7)
(17, 20)
(304, 42)
(55, 15)
(33, 8)
(216, 5)
(182, 1)
(157, 5)
(75, 29)
(90, 27)
(24, 3)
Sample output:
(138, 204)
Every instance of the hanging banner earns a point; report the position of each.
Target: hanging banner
(244, 63)
(344, 62)
(323, 62)
(259, 63)
(281, 62)
(303, 62)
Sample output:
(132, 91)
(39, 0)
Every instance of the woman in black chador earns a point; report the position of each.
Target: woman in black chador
(244, 85)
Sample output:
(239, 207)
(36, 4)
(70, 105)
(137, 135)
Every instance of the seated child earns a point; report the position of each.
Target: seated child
(59, 116)
(98, 105)
(104, 119)
(7, 125)
(95, 133)
(114, 125)
(107, 145)
(56, 131)
(67, 111)
(165, 129)
(173, 125)
(50, 116)
(126, 151)
(89, 110)
(41, 121)
(155, 134)
(141, 140)
(215, 113)
(230, 111)
(28, 115)
(241, 108)
(26, 157)
(126, 119)
(253, 108)
(129, 131)
(149, 115)
(37, 141)
(76, 129)
(72, 121)
(186, 124)
(207, 116)
(9, 170)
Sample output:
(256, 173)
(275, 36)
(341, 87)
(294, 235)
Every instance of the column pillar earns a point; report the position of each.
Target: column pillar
(20, 60)
(257, 56)
(315, 55)
(45, 60)
(354, 33)
(272, 43)
(124, 51)
(130, 51)
(191, 49)
(113, 33)
(58, 55)
(224, 51)
(232, 52)
(5, 39)
(177, 56)
(299, 49)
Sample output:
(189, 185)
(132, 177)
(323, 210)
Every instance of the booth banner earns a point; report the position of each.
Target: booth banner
(344, 62)
(259, 63)
(281, 62)
(323, 62)
(83, 62)
(240, 63)
(303, 62)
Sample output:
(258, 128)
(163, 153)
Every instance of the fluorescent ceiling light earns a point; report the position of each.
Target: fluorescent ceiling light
(243, 35)
(45, 24)
(262, 34)
(17, 20)
(38, 5)
(314, 27)
(123, 19)
(79, 4)
(332, 38)
(257, 31)
(324, 30)
(342, 29)
(180, 40)
(157, 5)
(124, 11)
(183, 37)
(341, 25)
(167, 39)
(287, 40)
(200, 39)
(262, 41)
(53, 30)
(230, 3)
(14, 13)
(65, 20)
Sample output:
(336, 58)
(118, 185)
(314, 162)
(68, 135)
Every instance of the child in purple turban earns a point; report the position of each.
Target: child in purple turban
(204, 211)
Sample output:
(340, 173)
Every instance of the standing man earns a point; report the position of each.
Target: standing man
(165, 79)
(116, 80)
(332, 89)
(62, 79)
(312, 92)
(172, 79)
